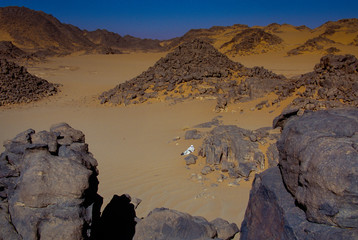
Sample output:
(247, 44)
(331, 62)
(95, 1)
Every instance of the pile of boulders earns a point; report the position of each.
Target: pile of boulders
(313, 193)
(195, 69)
(19, 86)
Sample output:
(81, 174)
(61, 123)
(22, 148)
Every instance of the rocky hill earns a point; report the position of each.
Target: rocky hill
(36, 31)
(194, 69)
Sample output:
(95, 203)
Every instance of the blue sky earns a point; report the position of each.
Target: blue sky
(167, 19)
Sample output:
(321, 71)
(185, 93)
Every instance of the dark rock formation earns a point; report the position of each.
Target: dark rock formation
(230, 148)
(163, 223)
(48, 185)
(246, 42)
(19, 86)
(314, 196)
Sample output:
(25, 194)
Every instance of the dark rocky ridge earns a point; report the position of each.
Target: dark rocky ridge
(195, 69)
(246, 42)
(313, 194)
(19, 86)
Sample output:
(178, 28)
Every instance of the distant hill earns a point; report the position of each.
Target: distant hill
(36, 31)
(40, 34)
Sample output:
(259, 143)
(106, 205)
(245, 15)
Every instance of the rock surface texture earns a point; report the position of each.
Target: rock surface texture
(19, 86)
(48, 185)
(313, 194)
(163, 223)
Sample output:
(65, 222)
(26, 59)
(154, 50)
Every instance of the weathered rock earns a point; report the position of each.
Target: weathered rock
(229, 146)
(206, 170)
(192, 134)
(272, 214)
(44, 195)
(224, 229)
(191, 159)
(319, 165)
(272, 155)
(163, 223)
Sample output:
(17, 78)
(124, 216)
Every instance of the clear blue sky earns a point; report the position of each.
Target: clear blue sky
(167, 19)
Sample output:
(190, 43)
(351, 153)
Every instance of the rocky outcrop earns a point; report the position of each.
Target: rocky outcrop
(230, 148)
(235, 151)
(19, 86)
(163, 223)
(48, 185)
(251, 41)
(313, 194)
(332, 84)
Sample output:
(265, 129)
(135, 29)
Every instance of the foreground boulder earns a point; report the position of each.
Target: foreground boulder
(313, 194)
(319, 165)
(48, 185)
(163, 223)
(272, 214)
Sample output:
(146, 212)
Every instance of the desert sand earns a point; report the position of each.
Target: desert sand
(137, 146)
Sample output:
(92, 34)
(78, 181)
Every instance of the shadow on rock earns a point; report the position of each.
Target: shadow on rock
(117, 220)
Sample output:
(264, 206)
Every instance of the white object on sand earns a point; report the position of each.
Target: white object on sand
(189, 150)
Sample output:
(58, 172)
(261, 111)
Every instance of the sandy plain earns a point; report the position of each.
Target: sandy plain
(134, 145)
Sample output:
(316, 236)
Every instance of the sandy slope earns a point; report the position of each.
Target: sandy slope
(134, 145)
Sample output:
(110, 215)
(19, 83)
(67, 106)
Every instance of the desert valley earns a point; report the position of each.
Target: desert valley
(270, 110)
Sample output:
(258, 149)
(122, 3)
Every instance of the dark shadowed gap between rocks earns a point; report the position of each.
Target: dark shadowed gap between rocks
(117, 220)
